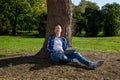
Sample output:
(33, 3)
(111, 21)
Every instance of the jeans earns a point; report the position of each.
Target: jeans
(69, 57)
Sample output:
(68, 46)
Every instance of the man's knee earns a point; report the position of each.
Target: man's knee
(63, 56)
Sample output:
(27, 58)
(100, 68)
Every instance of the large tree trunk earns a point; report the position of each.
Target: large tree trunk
(59, 12)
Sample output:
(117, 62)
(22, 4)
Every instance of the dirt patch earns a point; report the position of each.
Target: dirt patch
(30, 68)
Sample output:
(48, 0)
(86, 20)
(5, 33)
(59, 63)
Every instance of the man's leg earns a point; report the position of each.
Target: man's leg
(60, 57)
(83, 60)
(79, 57)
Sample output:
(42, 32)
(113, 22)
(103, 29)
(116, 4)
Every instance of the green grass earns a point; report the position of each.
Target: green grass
(10, 45)
(16, 44)
(104, 44)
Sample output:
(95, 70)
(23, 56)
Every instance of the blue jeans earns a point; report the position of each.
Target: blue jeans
(69, 57)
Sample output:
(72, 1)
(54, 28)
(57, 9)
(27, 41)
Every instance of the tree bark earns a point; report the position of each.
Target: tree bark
(59, 12)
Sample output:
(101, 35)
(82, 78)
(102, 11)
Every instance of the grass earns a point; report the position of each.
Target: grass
(104, 44)
(10, 45)
(31, 68)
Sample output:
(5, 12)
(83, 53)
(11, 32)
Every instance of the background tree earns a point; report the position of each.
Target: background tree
(80, 22)
(82, 6)
(14, 10)
(39, 15)
(80, 19)
(94, 24)
(4, 22)
(59, 12)
(111, 14)
(88, 18)
(42, 21)
(21, 14)
(92, 13)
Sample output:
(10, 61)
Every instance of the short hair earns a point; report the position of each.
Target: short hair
(58, 24)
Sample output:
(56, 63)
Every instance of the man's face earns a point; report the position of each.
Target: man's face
(58, 29)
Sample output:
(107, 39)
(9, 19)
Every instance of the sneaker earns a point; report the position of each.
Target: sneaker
(93, 65)
(75, 60)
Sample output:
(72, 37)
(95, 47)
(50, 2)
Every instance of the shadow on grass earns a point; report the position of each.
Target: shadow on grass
(39, 63)
(5, 62)
(33, 36)
(30, 35)
(2, 56)
(40, 66)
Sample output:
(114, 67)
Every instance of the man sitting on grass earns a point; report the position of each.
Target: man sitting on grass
(57, 46)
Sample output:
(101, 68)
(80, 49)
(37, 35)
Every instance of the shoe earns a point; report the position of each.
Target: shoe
(93, 65)
(75, 60)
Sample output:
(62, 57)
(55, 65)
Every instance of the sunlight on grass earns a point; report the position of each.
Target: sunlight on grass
(10, 45)
(105, 44)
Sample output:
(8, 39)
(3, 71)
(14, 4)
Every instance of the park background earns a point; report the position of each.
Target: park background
(96, 31)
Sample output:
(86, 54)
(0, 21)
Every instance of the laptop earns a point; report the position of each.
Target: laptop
(70, 50)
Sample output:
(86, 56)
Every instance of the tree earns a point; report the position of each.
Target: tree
(41, 20)
(20, 14)
(34, 17)
(4, 22)
(88, 18)
(14, 9)
(94, 24)
(80, 23)
(79, 19)
(111, 14)
(93, 15)
(59, 12)
(82, 6)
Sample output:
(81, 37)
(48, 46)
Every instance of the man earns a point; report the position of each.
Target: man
(57, 46)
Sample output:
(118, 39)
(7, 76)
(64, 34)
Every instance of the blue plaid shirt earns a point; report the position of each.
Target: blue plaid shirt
(50, 44)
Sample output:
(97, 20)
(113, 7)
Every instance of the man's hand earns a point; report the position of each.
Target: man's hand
(60, 51)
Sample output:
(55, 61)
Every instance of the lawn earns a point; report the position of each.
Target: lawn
(99, 44)
(10, 45)
(27, 67)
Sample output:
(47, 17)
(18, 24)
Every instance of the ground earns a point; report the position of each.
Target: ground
(24, 67)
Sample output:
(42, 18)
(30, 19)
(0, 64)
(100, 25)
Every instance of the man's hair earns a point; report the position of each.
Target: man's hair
(57, 25)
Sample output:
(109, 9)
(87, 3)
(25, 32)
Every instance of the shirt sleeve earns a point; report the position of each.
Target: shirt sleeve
(50, 45)
(65, 44)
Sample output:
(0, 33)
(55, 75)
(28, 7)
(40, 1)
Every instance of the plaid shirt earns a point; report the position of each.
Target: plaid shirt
(50, 44)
